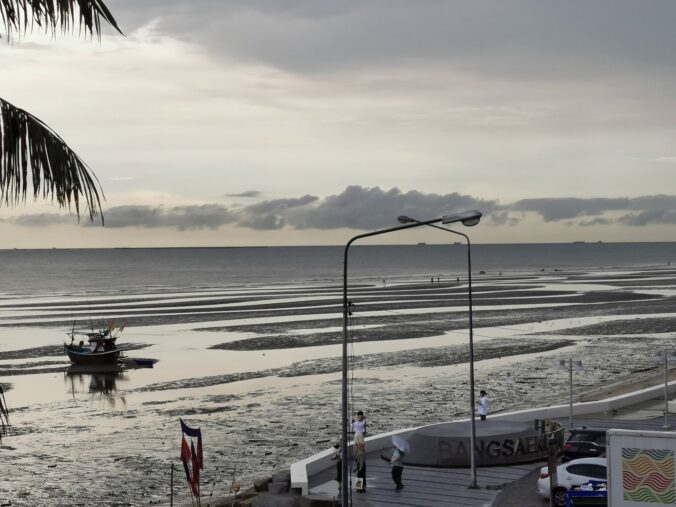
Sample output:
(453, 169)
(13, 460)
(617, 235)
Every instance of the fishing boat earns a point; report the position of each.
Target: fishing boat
(100, 347)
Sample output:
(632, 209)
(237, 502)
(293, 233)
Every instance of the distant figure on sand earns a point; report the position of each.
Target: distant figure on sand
(432, 280)
(457, 281)
(396, 461)
(483, 404)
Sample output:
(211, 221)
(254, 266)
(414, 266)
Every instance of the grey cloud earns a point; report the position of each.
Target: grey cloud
(555, 209)
(595, 221)
(267, 221)
(356, 207)
(269, 215)
(43, 220)
(655, 216)
(279, 205)
(491, 36)
(568, 207)
(208, 216)
(503, 218)
(363, 208)
(248, 193)
(653, 201)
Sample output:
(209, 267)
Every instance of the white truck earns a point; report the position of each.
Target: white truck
(641, 471)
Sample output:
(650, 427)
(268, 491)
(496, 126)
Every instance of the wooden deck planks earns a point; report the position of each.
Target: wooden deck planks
(426, 486)
(432, 487)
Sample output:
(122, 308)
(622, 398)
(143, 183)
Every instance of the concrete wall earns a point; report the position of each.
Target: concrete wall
(301, 470)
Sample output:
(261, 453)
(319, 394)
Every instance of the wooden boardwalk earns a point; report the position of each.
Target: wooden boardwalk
(423, 486)
(428, 487)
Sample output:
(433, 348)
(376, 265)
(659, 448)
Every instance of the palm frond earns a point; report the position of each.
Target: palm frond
(30, 150)
(4, 414)
(18, 16)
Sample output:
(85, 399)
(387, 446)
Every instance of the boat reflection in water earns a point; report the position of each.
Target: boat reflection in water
(100, 381)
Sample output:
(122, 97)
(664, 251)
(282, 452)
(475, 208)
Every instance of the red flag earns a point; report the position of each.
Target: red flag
(195, 484)
(192, 456)
(185, 450)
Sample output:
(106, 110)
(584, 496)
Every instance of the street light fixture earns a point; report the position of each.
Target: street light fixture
(570, 365)
(468, 218)
(667, 356)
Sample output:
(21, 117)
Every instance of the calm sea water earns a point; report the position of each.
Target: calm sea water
(121, 270)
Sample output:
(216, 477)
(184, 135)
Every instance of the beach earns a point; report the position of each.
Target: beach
(257, 368)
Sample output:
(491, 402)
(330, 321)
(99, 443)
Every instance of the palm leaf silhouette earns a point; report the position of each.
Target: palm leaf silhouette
(31, 152)
(18, 16)
(29, 148)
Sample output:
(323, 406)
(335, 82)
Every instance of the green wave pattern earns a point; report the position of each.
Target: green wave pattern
(648, 495)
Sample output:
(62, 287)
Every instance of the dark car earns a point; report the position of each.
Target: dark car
(585, 443)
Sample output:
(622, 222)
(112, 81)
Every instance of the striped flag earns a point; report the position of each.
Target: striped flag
(192, 456)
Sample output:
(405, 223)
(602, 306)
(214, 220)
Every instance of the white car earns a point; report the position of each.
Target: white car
(574, 473)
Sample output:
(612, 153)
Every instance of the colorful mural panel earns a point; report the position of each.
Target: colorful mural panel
(648, 475)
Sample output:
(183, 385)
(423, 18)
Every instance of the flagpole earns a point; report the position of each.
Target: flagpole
(171, 487)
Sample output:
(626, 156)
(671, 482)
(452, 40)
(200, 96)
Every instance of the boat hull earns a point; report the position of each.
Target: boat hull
(88, 357)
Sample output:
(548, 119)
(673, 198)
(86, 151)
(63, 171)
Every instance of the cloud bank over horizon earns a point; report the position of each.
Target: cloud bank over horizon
(365, 208)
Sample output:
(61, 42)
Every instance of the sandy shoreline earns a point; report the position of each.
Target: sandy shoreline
(263, 381)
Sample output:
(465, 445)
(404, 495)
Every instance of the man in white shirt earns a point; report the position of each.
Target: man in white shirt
(483, 405)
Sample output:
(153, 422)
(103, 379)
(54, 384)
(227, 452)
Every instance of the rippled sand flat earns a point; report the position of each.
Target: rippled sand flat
(258, 369)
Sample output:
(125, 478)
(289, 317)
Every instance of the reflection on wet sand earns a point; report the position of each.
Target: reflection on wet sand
(100, 382)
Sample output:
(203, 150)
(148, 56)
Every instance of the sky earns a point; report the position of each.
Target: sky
(288, 122)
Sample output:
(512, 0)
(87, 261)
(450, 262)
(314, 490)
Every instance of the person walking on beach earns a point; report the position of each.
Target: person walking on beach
(397, 463)
(483, 404)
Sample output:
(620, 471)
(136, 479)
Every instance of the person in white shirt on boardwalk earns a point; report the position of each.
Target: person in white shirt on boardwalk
(359, 428)
(483, 404)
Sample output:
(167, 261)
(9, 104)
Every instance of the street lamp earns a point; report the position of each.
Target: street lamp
(468, 218)
(577, 366)
(667, 356)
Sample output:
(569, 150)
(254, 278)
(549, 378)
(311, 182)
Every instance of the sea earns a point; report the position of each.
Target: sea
(247, 346)
(124, 270)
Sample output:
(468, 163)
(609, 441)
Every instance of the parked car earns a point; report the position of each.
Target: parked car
(585, 443)
(573, 473)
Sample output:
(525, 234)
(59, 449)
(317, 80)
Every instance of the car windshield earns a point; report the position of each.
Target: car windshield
(588, 436)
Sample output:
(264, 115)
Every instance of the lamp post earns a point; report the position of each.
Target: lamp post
(466, 217)
(471, 218)
(666, 356)
(577, 366)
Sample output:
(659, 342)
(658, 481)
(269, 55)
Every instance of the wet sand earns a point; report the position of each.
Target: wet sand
(258, 369)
